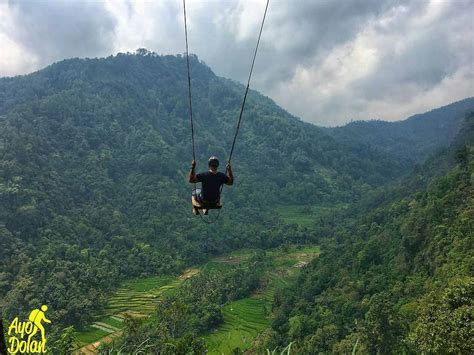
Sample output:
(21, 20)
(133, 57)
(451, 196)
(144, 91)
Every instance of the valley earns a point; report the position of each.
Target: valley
(95, 220)
(244, 319)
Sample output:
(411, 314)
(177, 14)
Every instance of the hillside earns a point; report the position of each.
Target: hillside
(93, 180)
(93, 185)
(385, 280)
(396, 280)
(410, 141)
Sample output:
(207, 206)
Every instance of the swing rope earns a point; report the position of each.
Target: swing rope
(189, 80)
(248, 85)
(246, 89)
(189, 87)
(208, 221)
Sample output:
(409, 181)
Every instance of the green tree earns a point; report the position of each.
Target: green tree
(445, 324)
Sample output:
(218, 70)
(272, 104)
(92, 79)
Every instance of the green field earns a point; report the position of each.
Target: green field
(306, 216)
(243, 319)
(134, 298)
(139, 295)
(246, 318)
(227, 261)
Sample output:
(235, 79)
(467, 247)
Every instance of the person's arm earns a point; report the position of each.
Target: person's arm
(192, 174)
(230, 176)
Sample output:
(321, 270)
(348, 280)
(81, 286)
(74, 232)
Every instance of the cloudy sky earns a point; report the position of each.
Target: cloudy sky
(326, 61)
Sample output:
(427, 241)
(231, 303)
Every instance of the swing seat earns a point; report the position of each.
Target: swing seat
(208, 205)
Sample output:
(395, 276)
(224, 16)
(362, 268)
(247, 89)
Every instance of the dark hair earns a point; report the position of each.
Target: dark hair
(213, 161)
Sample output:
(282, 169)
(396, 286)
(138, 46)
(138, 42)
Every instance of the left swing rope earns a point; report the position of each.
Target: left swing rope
(191, 102)
(189, 88)
(189, 80)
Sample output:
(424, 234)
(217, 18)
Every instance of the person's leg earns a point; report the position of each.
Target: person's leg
(197, 197)
(201, 198)
(197, 194)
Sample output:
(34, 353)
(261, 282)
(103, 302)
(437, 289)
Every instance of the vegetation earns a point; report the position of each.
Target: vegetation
(93, 181)
(399, 278)
(411, 141)
(94, 155)
(194, 308)
(308, 215)
(242, 320)
(134, 298)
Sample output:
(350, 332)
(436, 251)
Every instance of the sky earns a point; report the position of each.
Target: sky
(326, 61)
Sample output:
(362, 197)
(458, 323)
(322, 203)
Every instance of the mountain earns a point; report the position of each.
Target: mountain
(93, 185)
(410, 141)
(396, 280)
(93, 181)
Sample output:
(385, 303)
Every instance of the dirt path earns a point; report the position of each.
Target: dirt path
(91, 349)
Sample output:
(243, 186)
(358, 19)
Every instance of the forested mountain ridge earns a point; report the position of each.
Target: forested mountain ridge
(94, 158)
(133, 91)
(396, 280)
(412, 140)
(435, 166)
(93, 184)
(393, 279)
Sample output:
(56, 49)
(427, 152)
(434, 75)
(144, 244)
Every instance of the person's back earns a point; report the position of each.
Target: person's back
(211, 182)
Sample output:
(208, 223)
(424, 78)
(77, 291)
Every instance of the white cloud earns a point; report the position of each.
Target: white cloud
(154, 25)
(14, 59)
(398, 64)
(327, 61)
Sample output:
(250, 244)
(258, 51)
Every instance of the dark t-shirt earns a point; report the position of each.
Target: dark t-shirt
(211, 184)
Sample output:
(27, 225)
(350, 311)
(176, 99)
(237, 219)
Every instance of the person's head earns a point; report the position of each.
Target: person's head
(44, 308)
(213, 163)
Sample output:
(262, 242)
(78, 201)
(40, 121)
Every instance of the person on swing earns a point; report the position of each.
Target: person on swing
(211, 181)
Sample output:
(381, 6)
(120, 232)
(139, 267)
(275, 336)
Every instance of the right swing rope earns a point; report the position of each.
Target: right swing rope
(248, 84)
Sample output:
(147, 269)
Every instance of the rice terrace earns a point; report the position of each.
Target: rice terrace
(236, 177)
(244, 319)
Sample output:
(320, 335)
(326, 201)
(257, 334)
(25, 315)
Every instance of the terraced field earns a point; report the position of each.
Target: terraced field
(134, 298)
(139, 296)
(243, 319)
(227, 261)
(307, 216)
(246, 318)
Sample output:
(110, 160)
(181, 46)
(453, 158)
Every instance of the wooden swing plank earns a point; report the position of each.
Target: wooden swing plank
(200, 206)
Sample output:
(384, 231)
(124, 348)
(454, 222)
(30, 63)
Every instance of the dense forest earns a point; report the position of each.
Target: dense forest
(397, 279)
(411, 141)
(94, 156)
